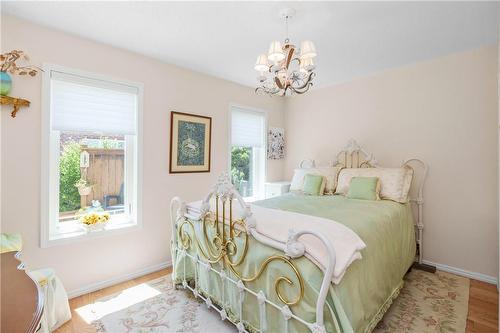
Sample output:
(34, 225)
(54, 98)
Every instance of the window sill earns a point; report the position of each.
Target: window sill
(73, 232)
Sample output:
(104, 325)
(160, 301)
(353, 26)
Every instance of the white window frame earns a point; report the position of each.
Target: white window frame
(50, 232)
(262, 176)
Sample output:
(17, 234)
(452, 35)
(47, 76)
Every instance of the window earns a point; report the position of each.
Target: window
(91, 154)
(248, 152)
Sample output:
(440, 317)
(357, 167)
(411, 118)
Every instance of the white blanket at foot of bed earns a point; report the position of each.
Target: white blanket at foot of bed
(275, 224)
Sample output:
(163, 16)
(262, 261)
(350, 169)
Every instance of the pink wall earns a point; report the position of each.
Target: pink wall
(166, 88)
(443, 111)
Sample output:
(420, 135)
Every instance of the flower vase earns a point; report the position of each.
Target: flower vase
(94, 227)
(5, 83)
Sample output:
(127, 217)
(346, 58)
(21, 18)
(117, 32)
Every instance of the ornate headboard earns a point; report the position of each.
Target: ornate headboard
(354, 156)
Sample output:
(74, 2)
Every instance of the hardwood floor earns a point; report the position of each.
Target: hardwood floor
(483, 308)
(78, 325)
(482, 317)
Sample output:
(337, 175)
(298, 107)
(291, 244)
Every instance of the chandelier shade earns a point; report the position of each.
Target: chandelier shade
(286, 69)
(262, 65)
(306, 65)
(275, 53)
(307, 50)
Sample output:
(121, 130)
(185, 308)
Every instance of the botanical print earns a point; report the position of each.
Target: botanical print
(191, 138)
(276, 143)
(428, 303)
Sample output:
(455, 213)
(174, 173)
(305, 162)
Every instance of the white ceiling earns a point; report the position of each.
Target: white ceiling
(224, 38)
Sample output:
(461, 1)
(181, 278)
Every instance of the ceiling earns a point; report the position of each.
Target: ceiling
(224, 38)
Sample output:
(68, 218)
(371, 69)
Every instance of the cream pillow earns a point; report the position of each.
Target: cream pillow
(395, 182)
(329, 173)
(298, 179)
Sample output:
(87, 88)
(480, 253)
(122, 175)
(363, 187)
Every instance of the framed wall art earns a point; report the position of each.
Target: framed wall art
(190, 142)
(275, 143)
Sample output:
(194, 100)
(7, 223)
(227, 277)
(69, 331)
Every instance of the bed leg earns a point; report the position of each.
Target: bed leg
(424, 267)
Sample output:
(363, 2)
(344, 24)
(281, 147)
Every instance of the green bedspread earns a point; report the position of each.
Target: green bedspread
(366, 289)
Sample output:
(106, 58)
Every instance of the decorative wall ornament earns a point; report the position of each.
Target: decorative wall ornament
(9, 66)
(190, 142)
(286, 68)
(275, 143)
(15, 102)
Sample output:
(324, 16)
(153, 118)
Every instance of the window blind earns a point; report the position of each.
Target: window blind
(247, 128)
(85, 104)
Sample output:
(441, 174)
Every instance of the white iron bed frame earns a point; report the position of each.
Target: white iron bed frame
(352, 156)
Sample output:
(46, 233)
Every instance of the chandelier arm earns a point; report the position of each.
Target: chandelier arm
(289, 57)
(278, 82)
(300, 91)
(303, 89)
(296, 59)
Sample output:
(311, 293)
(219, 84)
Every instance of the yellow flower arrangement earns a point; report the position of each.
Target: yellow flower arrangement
(93, 218)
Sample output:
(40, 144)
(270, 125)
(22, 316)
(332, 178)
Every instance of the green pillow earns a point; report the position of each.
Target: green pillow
(364, 188)
(313, 184)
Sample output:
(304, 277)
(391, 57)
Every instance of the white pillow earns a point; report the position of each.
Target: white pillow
(395, 182)
(298, 179)
(330, 174)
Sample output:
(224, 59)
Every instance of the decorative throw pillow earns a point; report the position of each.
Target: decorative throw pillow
(394, 182)
(364, 188)
(314, 184)
(330, 174)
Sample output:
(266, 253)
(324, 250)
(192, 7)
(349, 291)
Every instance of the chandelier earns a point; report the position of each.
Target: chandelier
(286, 68)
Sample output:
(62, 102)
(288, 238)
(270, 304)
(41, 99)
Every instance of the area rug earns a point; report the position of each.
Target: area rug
(427, 303)
(163, 309)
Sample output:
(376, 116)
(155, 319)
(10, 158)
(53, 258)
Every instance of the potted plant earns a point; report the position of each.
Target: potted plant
(8, 66)
(93, 218)
(83, 186)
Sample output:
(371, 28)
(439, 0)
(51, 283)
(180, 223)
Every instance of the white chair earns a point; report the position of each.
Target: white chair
(56, 310)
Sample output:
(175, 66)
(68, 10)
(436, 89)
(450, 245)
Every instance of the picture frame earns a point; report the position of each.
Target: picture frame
(190, 143)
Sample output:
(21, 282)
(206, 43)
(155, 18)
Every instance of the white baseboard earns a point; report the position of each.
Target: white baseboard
(118, 279)
(463, 272)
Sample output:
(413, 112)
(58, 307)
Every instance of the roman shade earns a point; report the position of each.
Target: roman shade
(83, 104)
(247, 128)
